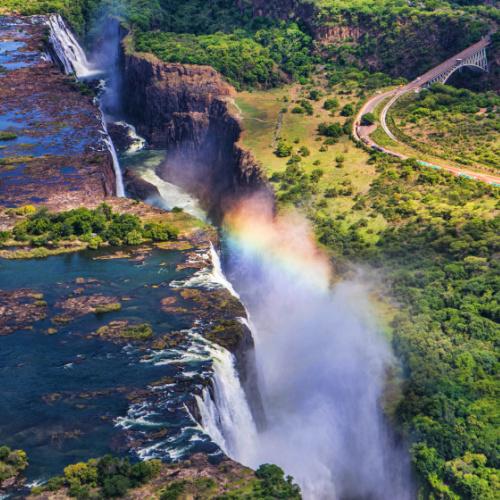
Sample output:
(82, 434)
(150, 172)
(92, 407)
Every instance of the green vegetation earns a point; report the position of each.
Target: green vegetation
(273, 484)
(368, 119)
(455, 124)
(107, 477)
(12, 463)
(113, 307)
(7, 136)
(438, 255)
(399, 37)
(111, 477)
(138, 332)
(433, 237)
(92, 227)
(268, 483)
(241, 59)
(245, 58)
(122, 330)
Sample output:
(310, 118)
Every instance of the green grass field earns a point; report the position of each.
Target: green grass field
(262, 112)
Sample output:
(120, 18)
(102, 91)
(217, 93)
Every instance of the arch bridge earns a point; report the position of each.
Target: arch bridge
(473, 57)
(477, 59)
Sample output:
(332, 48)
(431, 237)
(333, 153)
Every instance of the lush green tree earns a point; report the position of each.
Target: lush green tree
(368, 119)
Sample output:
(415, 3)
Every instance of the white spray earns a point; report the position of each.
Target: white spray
(227, 417)
(74, 61)
(321, 362)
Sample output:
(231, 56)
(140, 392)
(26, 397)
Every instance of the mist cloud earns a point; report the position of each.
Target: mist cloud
(321, 362)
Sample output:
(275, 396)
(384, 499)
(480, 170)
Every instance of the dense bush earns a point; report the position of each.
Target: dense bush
(273, 484)
(242, 60)
(12, 463)
(399, 37)
(330, 129)
(456, 124)
(245, 58)
(440, 262)
(94, 227)
(107, 477)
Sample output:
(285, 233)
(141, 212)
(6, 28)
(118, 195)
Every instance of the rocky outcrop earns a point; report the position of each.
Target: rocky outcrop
(55, 155)
(186, 109)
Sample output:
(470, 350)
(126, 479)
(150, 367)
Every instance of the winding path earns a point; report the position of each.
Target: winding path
(362, 133)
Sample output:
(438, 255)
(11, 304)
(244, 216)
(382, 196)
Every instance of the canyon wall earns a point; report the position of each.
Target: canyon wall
(187, 110)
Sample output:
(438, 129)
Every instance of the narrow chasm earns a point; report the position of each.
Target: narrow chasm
(308, 398)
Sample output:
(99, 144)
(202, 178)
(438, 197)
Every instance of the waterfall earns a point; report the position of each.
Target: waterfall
(68, 50)
(120, 188)
(74, 61)
(218, 274)
(227, 418)
(321, 366)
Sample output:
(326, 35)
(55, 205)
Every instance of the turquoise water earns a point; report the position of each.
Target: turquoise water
(71, 396)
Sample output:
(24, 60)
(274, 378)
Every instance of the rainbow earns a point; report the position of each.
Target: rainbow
(285, 242)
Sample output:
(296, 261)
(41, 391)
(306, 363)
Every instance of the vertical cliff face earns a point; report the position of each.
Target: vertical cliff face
(186, 109)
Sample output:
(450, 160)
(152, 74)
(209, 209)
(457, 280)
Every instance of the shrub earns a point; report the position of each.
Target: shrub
(315, 95)
(307, 107)
(173, 491)
(7, 136)
(116, 486)
(331, 104)
(368, 119)
(160, 231)
(114, 476)
(134, 237)
(274, 485)
(283, 149)
(330, 129)
(347, 110)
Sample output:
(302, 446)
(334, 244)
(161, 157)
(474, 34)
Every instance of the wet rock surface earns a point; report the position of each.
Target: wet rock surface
(56, 155)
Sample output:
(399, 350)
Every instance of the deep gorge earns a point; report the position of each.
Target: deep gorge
(187, 110)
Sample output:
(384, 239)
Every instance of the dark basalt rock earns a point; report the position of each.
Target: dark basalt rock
(137, 187)
(187, 110)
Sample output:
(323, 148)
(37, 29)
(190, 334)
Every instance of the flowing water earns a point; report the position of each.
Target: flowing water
(74, 61)
(71, 395)
(145, 164)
